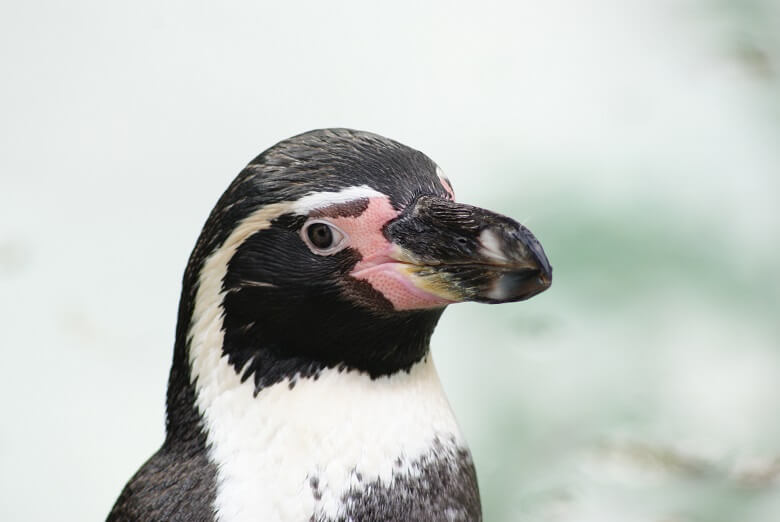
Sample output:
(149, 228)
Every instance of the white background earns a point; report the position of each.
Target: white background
(638, 140)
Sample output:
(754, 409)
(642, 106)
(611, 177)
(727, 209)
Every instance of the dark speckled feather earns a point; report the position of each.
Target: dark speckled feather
(444, 489)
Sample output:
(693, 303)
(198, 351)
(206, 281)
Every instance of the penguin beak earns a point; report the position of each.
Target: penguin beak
(459, 252)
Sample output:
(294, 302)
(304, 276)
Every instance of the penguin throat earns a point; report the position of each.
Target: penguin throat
(271, 347)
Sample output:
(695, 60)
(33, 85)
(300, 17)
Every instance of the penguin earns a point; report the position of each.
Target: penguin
(302, 386)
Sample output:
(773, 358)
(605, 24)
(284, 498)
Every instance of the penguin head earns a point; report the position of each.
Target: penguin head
(341, 248)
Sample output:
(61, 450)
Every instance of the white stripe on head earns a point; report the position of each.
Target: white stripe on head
(206, 336)
(267, 448)
(318, 200)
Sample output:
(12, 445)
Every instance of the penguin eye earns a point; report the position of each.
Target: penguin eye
(322, 237)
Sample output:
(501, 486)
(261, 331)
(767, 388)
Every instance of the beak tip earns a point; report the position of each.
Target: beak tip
(545, 277)
(518, 286)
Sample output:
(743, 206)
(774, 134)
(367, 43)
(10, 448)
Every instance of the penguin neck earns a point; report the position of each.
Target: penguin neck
(317, 439)
(274, 347)
(214, 371)
(310, 440)
(216, 353)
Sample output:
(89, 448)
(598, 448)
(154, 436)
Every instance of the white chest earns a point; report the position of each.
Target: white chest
(270, 449)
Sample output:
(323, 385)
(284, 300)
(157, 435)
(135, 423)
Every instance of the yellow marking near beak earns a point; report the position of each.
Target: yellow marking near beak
(430, 280)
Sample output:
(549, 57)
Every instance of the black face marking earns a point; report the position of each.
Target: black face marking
(349, 209)
(365, 295)
(443, 489)
(312, 317)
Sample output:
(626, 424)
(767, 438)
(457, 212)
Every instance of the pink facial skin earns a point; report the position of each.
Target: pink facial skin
(379, 266)
(446, 184)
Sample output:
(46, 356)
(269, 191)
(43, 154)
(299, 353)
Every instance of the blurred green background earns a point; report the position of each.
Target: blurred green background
(639, 140)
